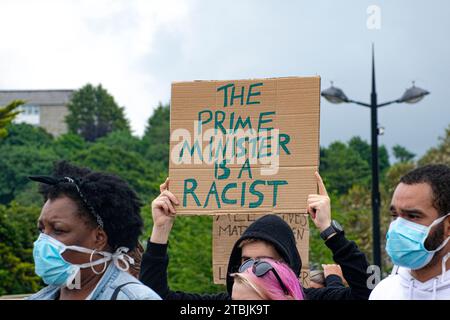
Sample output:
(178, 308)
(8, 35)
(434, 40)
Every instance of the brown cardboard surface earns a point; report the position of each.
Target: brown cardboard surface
(291, 106)
(227, 229)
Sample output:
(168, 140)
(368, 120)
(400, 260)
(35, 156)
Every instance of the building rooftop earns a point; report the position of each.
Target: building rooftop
(38, 97)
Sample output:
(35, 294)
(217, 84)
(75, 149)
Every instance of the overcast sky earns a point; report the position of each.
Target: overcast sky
(137, 48)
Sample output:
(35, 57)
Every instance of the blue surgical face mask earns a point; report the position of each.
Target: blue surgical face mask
(406, 243)
(54, 270)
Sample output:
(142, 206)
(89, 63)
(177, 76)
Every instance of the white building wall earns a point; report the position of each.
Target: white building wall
(29, 114)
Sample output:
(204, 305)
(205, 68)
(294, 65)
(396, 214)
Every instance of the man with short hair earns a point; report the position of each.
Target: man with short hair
(418, 239)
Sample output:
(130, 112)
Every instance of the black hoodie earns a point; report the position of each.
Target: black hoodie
(273, 229)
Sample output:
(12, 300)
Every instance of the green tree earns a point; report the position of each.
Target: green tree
(27, 150)
(7, 114)
(191, 245)
(394, 174)
(123, 139)
(156, 139)
(19, 162)
(342, 167)
(126, 164)
(439, 154)
(67, 145)
(402, 154)
(23, 134)
(365, 151)
(93, 113)
(17, 233)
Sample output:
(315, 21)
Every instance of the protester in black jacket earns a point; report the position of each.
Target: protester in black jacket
(331, 276)
(269, 236)
(334, 281)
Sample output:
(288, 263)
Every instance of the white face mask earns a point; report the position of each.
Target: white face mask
(55, 270)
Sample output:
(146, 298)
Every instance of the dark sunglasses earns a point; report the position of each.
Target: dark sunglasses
(260, 268)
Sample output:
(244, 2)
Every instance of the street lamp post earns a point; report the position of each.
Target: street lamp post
(411, 95)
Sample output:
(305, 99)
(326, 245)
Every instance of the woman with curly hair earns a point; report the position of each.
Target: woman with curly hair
(88, 223)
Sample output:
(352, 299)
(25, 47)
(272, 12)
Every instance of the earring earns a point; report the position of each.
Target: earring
(92, 267)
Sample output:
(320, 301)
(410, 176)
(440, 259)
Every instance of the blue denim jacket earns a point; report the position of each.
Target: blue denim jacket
(112, 278)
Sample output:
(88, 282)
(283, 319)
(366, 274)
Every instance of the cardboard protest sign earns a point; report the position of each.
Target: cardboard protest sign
(227, 229)
(244, 146)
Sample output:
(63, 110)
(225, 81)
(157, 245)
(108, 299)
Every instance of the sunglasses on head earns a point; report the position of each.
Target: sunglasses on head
(261, 268)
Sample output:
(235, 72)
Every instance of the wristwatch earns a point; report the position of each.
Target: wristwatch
(335, 227)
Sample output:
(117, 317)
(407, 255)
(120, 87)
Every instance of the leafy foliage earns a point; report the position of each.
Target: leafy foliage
(156, 137)
(94, 113)
(439, 154)
(342, 167)
(7, 114)
(17, 234)
(402, 154)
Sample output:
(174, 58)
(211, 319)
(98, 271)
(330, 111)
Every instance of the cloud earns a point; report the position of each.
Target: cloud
(64, 44)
